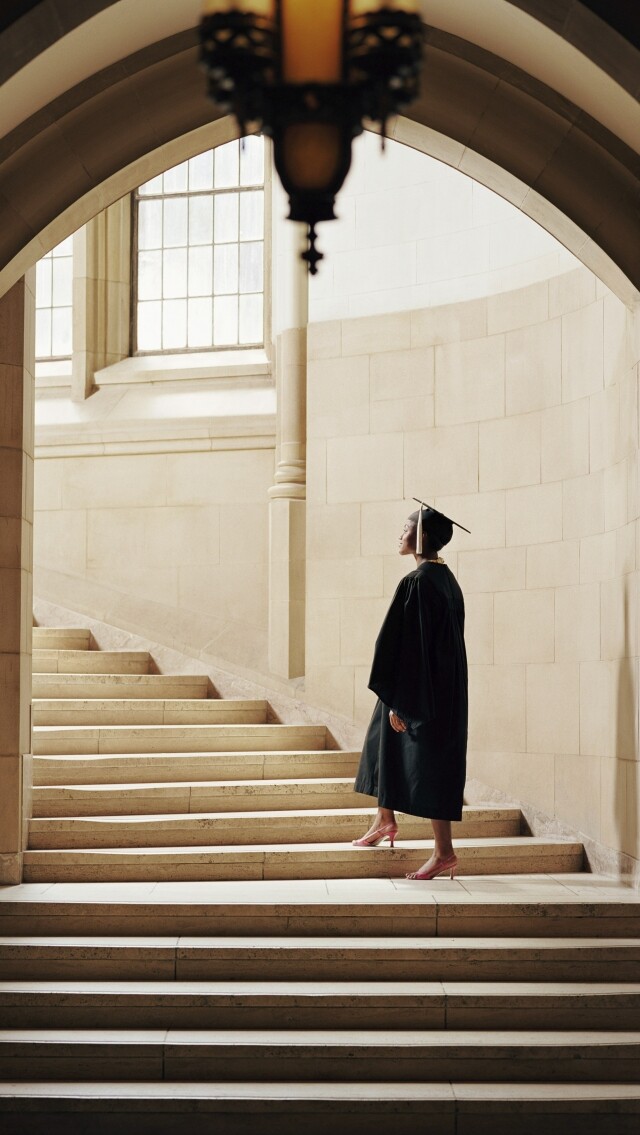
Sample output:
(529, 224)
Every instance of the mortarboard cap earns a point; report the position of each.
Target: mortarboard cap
(436, 524)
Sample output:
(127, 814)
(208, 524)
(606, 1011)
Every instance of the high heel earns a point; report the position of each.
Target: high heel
(439, 868)
(389, 831)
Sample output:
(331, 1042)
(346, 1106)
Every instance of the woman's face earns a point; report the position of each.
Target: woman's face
(407, 542)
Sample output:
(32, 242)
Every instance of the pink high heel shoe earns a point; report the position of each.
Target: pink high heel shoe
(389, 831)
(439, 868)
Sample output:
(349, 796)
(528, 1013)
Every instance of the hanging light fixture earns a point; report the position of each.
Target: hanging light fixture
(308, 73)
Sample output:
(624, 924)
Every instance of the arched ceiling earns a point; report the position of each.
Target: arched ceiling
(507, 98)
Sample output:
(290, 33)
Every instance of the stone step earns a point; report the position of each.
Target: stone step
(318, 1005)
(54, 661)
(197, 796)
(200, 829)
(322, 909)
(68, 740)
(120, 686)
(329, 959)
(165, 1108)
(152, 768)
(262, 1055)
(61, 638)
(496, 856)
(94, 712)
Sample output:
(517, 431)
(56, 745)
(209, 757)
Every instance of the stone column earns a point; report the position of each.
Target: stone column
(17, 338)
(287, 506)
(101, 295)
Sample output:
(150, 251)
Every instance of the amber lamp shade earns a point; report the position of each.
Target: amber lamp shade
(363, 7)
(312, 41)
(255, 7)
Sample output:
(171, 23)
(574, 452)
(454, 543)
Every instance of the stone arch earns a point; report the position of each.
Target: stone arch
(478, 111)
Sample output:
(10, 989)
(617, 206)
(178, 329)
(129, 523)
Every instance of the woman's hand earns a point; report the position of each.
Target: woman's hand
(396, 722)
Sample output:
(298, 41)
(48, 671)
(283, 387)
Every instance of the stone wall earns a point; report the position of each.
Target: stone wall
(516, 414)
(172, 545)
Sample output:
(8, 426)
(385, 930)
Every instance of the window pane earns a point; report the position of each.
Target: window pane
(65, 248)
(225, 321)
(174, 273)
(201, 220)
(62, 281)
(226, 165)
(226, 218)
(225, 269)
(251, 267)
(174, 229)
(251, 327)
(252, 160)
(200, 271)
(252, 216)
(201, 171)
(43, 282)
(149, 326)
(174, 324)
(151, 187)
(200, 321)
(61, 323)
(150, 224)
(176, 179)
(200, 252)
(149, 275)
(43, 333)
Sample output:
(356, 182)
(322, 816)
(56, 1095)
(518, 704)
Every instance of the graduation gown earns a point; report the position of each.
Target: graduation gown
(420, 671)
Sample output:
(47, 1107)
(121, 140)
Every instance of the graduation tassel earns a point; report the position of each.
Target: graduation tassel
(419, 532)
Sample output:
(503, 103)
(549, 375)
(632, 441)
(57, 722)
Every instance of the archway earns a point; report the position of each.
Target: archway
(558, 142)
(506, 126)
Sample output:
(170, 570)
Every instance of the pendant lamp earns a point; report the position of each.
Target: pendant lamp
(308, 74)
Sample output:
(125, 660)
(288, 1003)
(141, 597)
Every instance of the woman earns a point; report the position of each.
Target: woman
(414, 755)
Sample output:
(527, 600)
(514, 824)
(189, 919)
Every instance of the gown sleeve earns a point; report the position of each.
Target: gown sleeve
(401, 672)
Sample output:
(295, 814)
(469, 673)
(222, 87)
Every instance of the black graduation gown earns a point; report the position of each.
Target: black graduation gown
(420, 671)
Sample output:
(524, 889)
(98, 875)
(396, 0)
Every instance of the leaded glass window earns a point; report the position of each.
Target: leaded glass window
(200, 252)
(54, 293)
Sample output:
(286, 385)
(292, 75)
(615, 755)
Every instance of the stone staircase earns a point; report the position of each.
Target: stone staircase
(197, 940)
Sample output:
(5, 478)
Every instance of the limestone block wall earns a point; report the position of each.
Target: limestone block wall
(517, 414)
(172, 545)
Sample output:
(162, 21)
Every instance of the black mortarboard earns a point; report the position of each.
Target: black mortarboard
(437, 525)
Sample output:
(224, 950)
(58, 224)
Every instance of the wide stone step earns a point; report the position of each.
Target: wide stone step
(251, 828)
(319, 1005)
(447, 1108)
(54, 661)
(321, 909)
(296, 861)
(53, 740)
(148, 711)
(174, 958)
(120, 686)
(263, 1055)
(151, 768)
(196, 796)
(61, 638)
